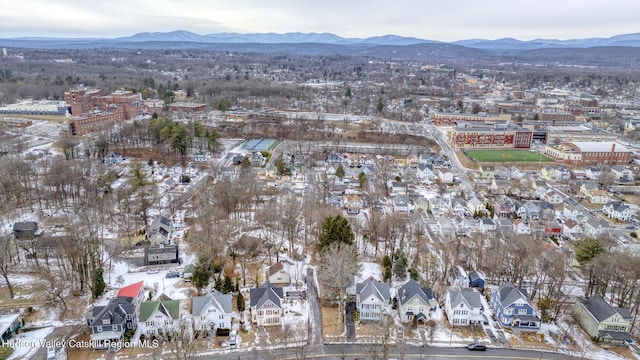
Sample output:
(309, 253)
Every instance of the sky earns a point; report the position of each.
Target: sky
(426, 19)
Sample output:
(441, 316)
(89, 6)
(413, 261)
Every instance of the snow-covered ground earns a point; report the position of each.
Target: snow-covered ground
(27, 343)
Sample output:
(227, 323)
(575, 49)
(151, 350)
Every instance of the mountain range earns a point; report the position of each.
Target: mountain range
(620, 50)
(183, 36)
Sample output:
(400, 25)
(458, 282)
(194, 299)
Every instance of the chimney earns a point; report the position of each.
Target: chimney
(404, 293)
(613, 149)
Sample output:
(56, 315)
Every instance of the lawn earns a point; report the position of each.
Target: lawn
(506, 156)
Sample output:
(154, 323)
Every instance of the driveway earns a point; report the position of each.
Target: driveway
(350, 310)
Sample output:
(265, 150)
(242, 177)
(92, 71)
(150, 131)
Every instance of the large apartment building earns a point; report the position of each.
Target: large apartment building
(92, 111)
(499, 136)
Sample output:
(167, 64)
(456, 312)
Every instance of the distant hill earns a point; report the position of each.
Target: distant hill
(596, 51)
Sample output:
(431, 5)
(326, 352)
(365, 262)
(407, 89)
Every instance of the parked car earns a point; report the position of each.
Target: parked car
(477, 346)
(172, 274)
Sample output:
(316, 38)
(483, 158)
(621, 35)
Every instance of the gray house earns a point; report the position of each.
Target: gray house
(109, 323)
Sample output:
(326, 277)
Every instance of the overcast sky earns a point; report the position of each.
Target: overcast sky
(427, 19)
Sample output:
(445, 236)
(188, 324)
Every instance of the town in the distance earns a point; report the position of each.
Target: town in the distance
(255, 202)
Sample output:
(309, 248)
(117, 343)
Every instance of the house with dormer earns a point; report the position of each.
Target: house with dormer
(603, 322)
(463, 307)
(571, 211)
(160, 318)
(529, 211)
(372, 299)
(487, 225)
(266, 305)
(459, 277)
(593, 172)
(109, 322)
(415, 301)
(212, 311)
(513, 308)
(617, 210)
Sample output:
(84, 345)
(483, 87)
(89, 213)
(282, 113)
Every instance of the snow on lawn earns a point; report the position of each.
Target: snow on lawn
(586, 348)
(370, 269)
(152, 280)
(25, 344)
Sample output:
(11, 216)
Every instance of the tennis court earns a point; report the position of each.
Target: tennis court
(259, 144)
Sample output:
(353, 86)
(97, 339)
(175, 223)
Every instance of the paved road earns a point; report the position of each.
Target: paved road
(360, 352)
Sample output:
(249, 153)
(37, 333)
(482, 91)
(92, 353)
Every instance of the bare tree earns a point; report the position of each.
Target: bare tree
(6, 262)
(338, 264)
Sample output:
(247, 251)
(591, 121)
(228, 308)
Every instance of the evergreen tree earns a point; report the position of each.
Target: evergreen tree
(201, 274)
(240, 302)
(588, 249)
(98, 283)
(335, 229)
(340, 172)
(400, 263)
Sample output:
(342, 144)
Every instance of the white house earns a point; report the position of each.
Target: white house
(159, 318)
(617, 210)
(212, 311)
(463, 307)
(372, 298)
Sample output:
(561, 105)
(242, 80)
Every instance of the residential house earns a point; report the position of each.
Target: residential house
(552, 228)
(266, 304)
(438, 206)
(421, 204)
(335, 201)
(513, 308)
(187, 273)
(476, 279)
(401, 204)
(201, 156)
(159, 318)
(412, 160)
(503, 207)
(621, 172)
(571, 211)
(586, 188)
(135, 291)
(547, 211)
(487, 225)
(505, 227)
(593, 172)
(571, 229)
(617, 210)
(445, 176)
(353, 204)
(425, 173)
(110, 322)
(520, 227)
(459, 277)
(9, 325)
(592, 226)
(372, 299)
(603, 322)
(501, 187)
(113, 158)
(447, 227)
(256, 159)
(335, 159)
(26, 230)
(277, 275)
(211, 311)
(475, 205)
(459, 206)
(529, 211)
(415, 301)
(552, 197)
(598, 196)
(461, 225)
(463, 307)
(399, 187)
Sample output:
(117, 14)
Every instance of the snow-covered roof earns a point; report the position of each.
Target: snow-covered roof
(596, 146)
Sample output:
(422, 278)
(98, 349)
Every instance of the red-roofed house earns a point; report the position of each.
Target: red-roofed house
(134, 291)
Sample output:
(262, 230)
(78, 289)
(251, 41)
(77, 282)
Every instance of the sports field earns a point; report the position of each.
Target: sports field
(260, 144)
(506, 156)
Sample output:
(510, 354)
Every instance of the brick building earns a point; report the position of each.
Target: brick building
(499, 136)
(452, 118)
(92, 111)
(589, 153)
